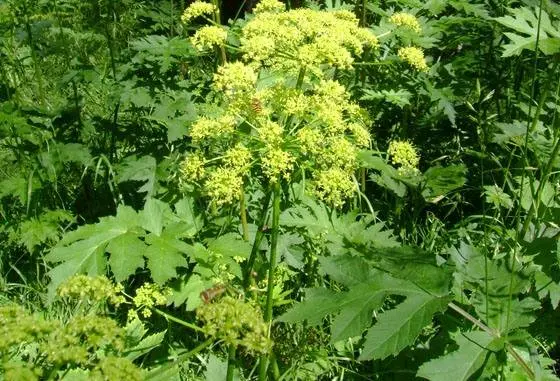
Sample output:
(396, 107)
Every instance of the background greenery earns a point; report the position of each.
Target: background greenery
(450, 272)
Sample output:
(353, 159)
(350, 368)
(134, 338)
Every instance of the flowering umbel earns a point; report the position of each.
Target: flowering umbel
(300, 121)
(414, 57)
(406, 20)
(403, 154)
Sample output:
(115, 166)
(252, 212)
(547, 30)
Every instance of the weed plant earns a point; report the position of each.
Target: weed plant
(343, 190)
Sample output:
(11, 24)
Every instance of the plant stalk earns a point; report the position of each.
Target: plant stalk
(231, 363)
(243, 214)
(265, 359)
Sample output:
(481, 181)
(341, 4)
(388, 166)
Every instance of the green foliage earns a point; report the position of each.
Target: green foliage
(348, 190)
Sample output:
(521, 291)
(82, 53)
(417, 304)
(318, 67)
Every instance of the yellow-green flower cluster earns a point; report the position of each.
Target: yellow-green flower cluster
(80, 337)
(414, 57)
(238, 158)
(148, 296)
(91, 289)
(208, 37)
(191, 168)
(270, 133)
(406, 20)
(334, 186)
(116, 369)
(287, 40)
(277, 164)
(235, 78)
(17, 327)
(197, 9)
(273, 6)
(84, 341)
(403, 154)
(209, 128)
(223, 186)
(313, 125)
(20, 372)
(236, 322)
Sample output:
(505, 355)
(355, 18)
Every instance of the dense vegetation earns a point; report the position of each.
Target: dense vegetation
(348, 190)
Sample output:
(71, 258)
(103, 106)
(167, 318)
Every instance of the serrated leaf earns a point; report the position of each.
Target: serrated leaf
(310, 215)
(461, 364)
(154, 214)
(189, 291)
(139, 169)
(530, 29)
(230, 245)
(185, 211)
(353, 308)
(546, 286)
(166, 372)
(164, 255)
(356, 314)
(398, 328)
(127, 254)
(346, 269)
(318, 303)
(82, 250)
(442, 180)
(145, 345)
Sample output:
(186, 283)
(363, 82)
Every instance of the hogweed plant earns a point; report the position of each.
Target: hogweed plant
(283, 116)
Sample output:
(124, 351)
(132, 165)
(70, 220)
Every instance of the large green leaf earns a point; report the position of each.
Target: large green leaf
(526, 23)
(460, 365)
(353, 308)
(82, 251)
(164, 255)
(398, 328)
(127, 254)
(141, 169)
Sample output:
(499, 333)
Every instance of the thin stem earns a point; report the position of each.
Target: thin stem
(264, 360)
(495, 334)
(181, 357)
(177, 320)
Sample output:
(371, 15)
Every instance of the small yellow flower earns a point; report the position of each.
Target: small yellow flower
(360, 134)
(414, 56)
(197, 9)
(270, 133)
(310, 139)
(148, 296)
(209, 36)
(406, 20)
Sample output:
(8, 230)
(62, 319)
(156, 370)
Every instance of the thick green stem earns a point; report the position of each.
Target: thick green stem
(243, 214)
(218, 21)
(257, 243)
(264, 360)
(231, 363)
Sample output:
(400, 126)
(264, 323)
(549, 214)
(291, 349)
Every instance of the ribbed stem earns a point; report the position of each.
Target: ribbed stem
(243, 214)
(231, 363)
(264, 360)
